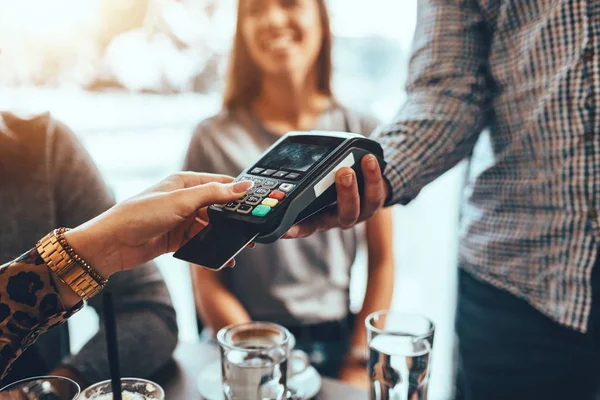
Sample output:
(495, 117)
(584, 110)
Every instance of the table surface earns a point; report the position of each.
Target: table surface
(180, 377)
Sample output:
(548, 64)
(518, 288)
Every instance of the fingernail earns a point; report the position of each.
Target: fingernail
(347, 180)
(371, 163)
(291, 233)
(242, 187)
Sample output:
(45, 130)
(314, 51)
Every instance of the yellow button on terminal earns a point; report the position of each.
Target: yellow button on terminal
(270, 202)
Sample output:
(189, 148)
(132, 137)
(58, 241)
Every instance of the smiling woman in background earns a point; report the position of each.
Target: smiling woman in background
(279, 81)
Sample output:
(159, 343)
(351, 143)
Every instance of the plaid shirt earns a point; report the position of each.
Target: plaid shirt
(529, 72)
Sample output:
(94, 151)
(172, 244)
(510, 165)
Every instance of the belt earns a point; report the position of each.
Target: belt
(324, 331)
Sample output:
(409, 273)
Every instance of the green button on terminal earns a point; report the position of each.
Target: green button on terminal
(261, 211)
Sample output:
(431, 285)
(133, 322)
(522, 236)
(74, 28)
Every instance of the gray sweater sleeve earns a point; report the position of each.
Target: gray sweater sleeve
(146, 319)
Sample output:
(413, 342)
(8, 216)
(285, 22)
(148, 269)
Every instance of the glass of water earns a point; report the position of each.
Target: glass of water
(254, 360)
(399, 353)
(41, 388)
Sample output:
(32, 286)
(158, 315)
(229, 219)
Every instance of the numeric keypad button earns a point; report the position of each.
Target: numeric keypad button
(261, 192)
(244, 209)
(232, 206)
(270, 183)
(253, 200)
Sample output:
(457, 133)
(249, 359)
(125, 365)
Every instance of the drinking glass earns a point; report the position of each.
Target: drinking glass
(254, 361)
(399, 355)
(131, 389)
(41, 388)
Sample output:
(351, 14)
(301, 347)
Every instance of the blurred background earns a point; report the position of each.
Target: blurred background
(133, 77)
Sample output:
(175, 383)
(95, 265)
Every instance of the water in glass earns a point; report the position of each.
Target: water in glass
(398, 368)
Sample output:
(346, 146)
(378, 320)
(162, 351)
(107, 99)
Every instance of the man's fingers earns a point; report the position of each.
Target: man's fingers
(293, 233)
(317, 223)
(374, 187)
(306, 228)
(348, 202)
(351, 209)
(191, 199)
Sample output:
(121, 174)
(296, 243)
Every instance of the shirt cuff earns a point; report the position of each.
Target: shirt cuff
(29, 306)
(395, 176)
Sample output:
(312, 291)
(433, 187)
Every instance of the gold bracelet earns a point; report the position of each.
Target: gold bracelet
(60, 235)
(61, 260)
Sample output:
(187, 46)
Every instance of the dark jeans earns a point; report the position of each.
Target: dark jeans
(326, 356)
(326, 344)
(509, 350)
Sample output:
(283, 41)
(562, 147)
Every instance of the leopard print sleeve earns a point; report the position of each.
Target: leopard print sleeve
(29, 306)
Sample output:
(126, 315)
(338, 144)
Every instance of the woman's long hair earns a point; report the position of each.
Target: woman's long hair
(244, 76)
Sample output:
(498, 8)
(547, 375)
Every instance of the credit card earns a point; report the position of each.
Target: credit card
(216, 244)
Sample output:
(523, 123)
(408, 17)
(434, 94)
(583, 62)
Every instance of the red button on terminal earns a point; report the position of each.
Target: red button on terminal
(277, 195)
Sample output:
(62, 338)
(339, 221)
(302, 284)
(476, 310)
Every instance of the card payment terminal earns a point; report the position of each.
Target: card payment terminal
(293, 179)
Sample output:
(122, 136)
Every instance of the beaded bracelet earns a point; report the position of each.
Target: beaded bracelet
(60, 235)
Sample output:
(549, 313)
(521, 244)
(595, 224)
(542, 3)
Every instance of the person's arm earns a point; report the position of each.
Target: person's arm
(380, 265)
(157, 221)
(30, 304)
(380, 280)
(215, 304)
(448, 96)
(143, 308)
(378, 296)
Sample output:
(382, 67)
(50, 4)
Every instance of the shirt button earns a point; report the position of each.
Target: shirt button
(592, 213)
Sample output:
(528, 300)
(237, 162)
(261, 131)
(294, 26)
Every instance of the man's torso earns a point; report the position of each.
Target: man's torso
(530, 221)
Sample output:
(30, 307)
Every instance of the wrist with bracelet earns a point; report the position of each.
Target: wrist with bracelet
(69, 266)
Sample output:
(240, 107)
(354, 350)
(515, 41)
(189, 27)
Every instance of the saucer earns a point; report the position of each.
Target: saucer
(306, 384)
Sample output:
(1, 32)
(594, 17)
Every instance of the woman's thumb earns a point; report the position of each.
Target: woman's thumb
(212, 193)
